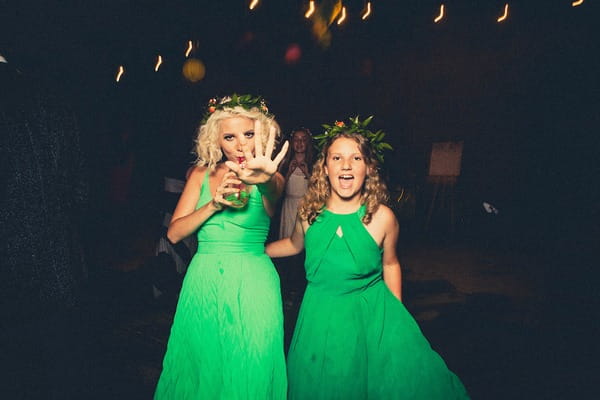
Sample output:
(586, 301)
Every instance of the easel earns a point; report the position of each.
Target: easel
(442, 198)
(444, 170)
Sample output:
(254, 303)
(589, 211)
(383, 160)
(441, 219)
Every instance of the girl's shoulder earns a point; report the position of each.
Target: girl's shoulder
(383, 210)
(384, 215)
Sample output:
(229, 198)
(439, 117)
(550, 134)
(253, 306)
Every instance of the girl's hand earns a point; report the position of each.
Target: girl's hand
(258, 168)
(304, 168)
(293, 165)
(229, 185)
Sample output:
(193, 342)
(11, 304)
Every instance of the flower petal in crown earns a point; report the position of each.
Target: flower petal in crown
(245, 101)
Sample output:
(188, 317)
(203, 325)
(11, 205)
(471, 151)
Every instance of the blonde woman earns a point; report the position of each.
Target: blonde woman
(354, 339)
(226, 341)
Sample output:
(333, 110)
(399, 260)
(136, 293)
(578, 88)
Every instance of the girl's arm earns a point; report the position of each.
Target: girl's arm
(288, 246)
(392, 272)
(290, 168)
(186, 219)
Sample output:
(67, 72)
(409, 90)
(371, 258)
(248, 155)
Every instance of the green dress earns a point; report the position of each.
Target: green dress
(226, 341)
(353, 338)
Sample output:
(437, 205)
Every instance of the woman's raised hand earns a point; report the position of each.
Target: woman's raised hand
(258, 168)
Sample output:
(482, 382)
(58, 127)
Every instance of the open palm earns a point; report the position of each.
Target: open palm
(258, 167)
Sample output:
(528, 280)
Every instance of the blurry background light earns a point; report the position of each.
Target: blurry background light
(342, 16)
(505, 15)
(159, 61)
(440, 15)
(194, 70)
(189, 49)
(293, 54)
(120, 73)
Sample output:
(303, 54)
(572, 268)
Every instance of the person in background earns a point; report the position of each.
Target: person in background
(296, 169)
(170, 261)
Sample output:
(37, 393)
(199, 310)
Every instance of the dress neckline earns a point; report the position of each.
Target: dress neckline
(360, 211)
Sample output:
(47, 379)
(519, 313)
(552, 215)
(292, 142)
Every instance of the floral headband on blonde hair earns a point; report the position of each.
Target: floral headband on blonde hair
(355, 127)
(246, 101)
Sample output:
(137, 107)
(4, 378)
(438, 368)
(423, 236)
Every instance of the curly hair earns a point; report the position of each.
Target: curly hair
(207, 149)
(374, 191)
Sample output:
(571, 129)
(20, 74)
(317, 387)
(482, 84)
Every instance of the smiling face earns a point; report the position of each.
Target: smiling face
(346, 169)
(231, 133)
(299, 141)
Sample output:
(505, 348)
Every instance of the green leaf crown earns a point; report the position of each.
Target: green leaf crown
(354, 126)
(245, 101)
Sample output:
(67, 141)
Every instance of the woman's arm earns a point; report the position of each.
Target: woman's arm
(392, 272)
(288, 246)
(271, 191)
(186, 219)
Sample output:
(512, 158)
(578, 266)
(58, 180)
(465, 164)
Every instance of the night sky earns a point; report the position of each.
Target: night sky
(522, 95)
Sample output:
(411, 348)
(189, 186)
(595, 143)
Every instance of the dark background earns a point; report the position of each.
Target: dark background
(523, 95)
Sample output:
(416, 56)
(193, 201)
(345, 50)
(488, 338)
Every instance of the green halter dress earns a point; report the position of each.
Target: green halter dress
(353, 338)
(226, 341)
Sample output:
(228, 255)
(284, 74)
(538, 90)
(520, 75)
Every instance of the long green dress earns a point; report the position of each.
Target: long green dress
(226, 341)
(353, 338)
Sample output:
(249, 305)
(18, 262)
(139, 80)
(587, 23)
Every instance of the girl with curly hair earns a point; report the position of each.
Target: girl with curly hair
(226, 341)
(354, 339)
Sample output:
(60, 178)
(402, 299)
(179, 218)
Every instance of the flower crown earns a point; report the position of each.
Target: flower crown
(355, 127)
(245, 101)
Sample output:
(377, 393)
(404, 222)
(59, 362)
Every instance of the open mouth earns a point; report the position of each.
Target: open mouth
(346, 181)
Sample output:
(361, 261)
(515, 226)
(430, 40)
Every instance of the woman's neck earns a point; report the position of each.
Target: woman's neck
(343, 206)
(299, 156)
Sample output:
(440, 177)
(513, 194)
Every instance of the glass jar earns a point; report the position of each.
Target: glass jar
(239, 199)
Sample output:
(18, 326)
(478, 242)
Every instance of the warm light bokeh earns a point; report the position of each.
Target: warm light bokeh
(194, 70)
(293, 54)
(120, 73)
(367, 11)
(189, 49)
(159, 61)
(503, 17)
(342, 16)
(311, 9)
(440, 16)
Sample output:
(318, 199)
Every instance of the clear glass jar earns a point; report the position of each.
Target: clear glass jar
(239, 199)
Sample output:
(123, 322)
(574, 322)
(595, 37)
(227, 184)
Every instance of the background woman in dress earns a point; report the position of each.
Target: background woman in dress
(226, 341)
(354, 338)
(296, 169)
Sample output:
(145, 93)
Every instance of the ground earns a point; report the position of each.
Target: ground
(488, 310)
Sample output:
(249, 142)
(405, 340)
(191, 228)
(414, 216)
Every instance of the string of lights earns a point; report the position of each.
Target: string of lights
(341, 16)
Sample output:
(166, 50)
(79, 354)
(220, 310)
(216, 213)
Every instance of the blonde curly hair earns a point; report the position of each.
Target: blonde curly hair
(207, 149)
(374, 191)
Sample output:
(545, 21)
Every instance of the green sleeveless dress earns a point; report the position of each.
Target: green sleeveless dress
(353, 338)
(226, 341)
